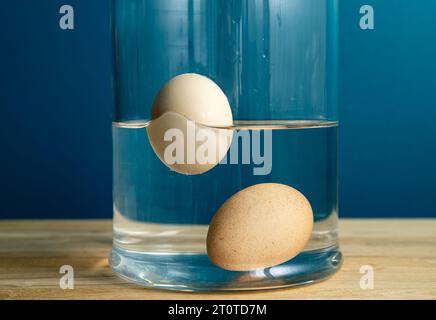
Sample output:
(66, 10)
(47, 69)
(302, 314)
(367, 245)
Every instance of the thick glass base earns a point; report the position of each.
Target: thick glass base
(194, 272)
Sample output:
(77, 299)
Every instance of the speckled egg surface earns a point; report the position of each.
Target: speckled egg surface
(259, 227)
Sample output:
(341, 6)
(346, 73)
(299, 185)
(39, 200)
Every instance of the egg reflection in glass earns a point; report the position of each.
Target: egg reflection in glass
(188, 119)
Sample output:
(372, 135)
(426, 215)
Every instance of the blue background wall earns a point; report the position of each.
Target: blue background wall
(55, 110)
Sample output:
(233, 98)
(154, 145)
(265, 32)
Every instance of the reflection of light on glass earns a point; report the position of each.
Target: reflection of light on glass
(277, 271)
(259, 273)
(144, 277)
(284, 270)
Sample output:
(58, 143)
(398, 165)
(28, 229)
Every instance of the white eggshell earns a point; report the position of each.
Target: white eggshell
(170, 120)
(259, 227)
(195, 97)
(191, 98)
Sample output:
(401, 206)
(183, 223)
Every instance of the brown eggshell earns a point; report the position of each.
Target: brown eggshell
(259, 227)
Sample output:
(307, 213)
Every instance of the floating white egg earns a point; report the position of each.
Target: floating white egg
(187, 120)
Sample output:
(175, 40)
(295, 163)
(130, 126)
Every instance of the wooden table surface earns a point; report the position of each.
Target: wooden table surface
(402, 253)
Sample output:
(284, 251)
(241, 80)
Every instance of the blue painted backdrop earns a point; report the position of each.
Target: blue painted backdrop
(56, 104)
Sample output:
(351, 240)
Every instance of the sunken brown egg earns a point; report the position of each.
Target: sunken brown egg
(259, 227)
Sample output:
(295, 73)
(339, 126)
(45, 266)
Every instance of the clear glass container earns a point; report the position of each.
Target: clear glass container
(276, 61)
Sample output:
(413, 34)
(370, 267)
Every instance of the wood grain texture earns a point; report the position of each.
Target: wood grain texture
(402, 252)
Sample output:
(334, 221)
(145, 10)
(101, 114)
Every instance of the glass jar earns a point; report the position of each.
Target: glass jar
(276, 61)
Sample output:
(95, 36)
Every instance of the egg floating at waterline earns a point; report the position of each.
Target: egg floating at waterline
(188, 117)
